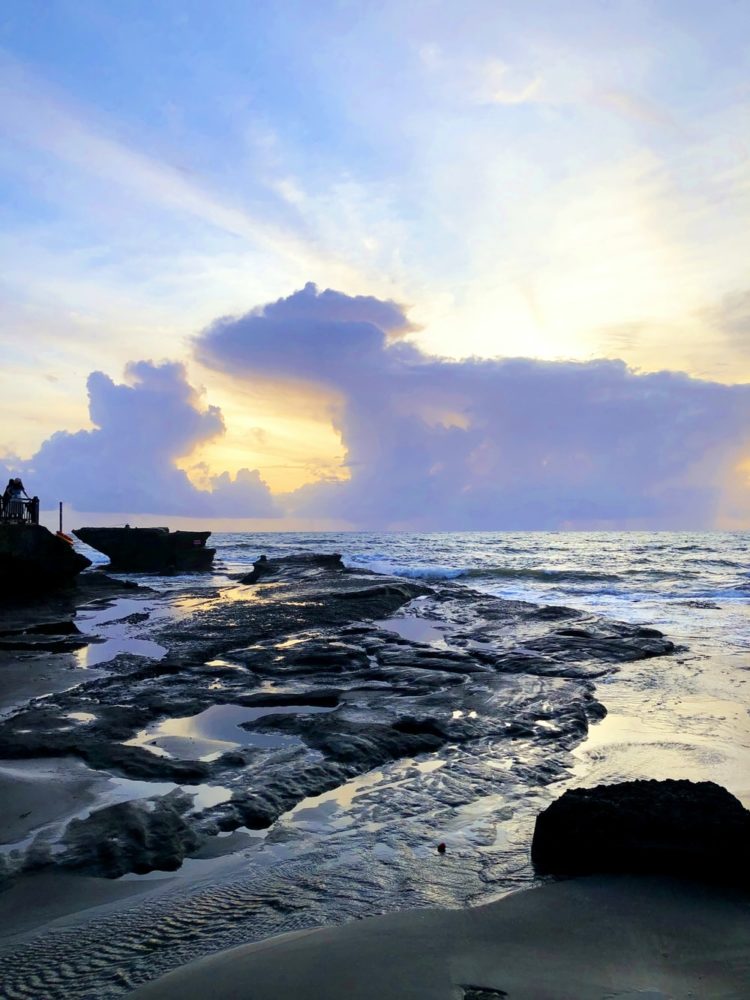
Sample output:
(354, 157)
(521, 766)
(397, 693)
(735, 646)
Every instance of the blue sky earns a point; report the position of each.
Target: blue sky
(563, 181)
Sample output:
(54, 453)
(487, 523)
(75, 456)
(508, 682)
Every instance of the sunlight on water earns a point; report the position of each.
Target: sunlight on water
(215, 730)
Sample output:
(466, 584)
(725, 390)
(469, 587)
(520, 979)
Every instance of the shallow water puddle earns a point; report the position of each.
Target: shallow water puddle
(213, 599)
(225, 664)
(210, 733)
(113, 624)
(102, 652)
(413, 630)
(81, 791)
(130, 789)
(701, 739)
(330, 810)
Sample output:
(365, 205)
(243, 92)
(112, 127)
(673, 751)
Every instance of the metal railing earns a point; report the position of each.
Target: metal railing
(19, 510)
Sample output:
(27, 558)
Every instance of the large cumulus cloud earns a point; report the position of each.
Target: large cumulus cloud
(127, 462)
(492, 444)
(309, 335)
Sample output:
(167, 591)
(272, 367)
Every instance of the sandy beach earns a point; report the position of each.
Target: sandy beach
(624, 938)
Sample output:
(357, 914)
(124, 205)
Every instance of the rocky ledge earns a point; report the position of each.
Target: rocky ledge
(321, 685)
(33, 561)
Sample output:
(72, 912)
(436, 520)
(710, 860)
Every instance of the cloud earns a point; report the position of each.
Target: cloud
(127, 462)
(37, 117)
(431, 443)
(310, 335)
(495, 84)
(490, 444)
(731, 316)
(635, 107)
(481, 81)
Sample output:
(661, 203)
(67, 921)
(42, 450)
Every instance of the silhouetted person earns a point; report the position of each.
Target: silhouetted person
(7, 495)
(13, 498)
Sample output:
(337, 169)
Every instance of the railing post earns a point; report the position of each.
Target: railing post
(35, 510)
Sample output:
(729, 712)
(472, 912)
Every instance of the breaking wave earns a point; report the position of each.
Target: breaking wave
(481, 572)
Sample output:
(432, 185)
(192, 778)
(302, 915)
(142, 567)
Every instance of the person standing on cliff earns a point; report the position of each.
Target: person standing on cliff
(13, 498)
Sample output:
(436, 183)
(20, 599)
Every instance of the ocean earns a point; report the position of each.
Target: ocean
(669, 578)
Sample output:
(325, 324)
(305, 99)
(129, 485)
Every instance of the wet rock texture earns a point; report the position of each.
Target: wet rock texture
(695, 829)
(505, 671)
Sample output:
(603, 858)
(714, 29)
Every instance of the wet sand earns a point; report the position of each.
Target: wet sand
(60, 899)
(588, 939)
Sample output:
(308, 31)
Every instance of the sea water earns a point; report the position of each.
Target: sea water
(694, 585)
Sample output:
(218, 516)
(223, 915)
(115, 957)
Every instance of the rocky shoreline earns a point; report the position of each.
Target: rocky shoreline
(300, 639)
(442, 710)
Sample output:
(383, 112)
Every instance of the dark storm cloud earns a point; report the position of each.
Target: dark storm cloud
(512, 443)
(127, 462)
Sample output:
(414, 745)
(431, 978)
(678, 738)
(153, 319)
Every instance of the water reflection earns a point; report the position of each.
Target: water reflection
(210, 733)
(113, 625)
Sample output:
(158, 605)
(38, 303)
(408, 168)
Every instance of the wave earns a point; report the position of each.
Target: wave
(551, 575)
(387, 567)
(660, 574)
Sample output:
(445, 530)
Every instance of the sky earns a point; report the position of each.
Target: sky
(434, 265)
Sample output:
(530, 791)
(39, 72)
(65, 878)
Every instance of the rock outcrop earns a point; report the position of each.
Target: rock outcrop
(150, 550)
(313, 633)
(34, 561)
(696, 829)
(308, 564)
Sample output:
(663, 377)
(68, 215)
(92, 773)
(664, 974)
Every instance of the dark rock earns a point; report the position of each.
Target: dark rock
(403, 590)
(368, 746)
(132, 837)
(552, 612)
(150, 550)
(482, 993)
(45, 645)
(293, 566)
(33, 561)
(52, 628)
(696, 829)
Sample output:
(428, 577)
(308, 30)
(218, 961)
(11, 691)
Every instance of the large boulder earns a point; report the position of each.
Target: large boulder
(696, 829)
(34, 561)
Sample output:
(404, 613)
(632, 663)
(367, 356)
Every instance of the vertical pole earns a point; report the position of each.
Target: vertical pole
(61, 503)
